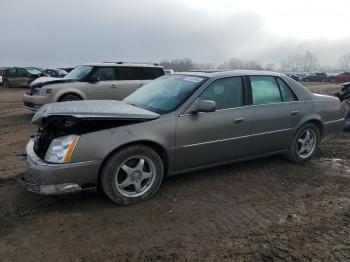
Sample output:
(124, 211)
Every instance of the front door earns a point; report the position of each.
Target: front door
(205, 139)
(103, 84)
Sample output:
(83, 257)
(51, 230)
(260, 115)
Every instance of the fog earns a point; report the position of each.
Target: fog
(70, 32)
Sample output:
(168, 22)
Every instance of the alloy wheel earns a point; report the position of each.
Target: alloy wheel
(135, 176)
(306, 143)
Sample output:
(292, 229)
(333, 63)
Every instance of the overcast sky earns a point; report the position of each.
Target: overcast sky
(69, 32)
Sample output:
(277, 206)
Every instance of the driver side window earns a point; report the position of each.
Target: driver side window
(104, 74)
(225, 92)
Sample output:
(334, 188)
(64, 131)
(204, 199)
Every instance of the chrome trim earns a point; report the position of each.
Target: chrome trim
(235, 138)
(202, 89)
(31, 108)
(57, 189)
(246, 74)
(334, 121)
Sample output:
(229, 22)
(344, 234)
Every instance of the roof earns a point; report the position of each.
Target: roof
(123, 64)
(230, 73)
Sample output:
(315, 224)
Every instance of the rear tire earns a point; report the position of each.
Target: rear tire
(304, 144)
(69, 97)
(132, 175)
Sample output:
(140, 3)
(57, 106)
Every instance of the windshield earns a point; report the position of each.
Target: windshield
(166, 93)
(79, 73)
(33, 71)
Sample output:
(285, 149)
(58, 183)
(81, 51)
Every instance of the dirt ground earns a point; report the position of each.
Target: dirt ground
(263, 210)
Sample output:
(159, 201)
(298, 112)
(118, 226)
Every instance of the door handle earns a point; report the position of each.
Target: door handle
(238, 120)
(140, 85)
(113, 86)
(294, 112)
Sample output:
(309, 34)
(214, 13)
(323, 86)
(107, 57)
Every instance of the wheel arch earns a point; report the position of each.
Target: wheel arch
(313, 120)
(78, 93)
(155, 146)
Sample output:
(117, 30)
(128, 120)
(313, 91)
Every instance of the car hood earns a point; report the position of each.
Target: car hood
(42, 81)
(94, 109)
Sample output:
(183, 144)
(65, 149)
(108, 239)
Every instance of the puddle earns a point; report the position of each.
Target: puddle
(340, 166)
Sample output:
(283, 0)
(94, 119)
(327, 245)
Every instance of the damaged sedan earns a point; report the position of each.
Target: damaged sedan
(178, 123)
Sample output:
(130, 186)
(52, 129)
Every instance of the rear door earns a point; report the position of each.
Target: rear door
(129, 79)
(205, 139)
(276, 112)
(23, 78)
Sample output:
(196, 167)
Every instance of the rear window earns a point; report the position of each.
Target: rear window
(128, 73)
(138, 73)
(286, 92)
(265, 90)
(149, 73)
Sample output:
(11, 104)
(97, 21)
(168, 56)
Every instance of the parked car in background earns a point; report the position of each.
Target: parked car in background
(294, 76)
(342, 77)
(67, 69)
(92, 81)
(315, 77)
(2, 70)
(175, 124)
(58, 73)
(19, 76)
(34, 70)
(331, 76)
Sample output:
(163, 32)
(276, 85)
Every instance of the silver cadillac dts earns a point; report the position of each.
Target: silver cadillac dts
(175, 124)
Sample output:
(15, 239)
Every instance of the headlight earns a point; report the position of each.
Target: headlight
(61, 149)
(42, 91)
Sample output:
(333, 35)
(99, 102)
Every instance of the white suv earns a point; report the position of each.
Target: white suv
(107, 80)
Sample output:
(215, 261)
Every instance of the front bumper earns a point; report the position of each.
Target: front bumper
(53, 179)
(35, 102)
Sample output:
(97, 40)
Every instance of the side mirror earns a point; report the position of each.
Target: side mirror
(203, 106)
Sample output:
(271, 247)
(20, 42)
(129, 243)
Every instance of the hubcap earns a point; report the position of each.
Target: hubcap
(306, 143)
(135, 176)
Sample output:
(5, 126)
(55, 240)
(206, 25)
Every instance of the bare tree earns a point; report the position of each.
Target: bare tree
(295, 62)
(344, 62)
(183, 64)
(270, 67)
(310, 62)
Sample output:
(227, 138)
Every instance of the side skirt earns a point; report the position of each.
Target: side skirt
(226, 163)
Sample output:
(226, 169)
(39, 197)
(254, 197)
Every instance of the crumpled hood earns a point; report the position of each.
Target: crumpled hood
(43, 79)
(93, 109)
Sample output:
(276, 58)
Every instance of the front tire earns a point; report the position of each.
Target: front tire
(304, 144)
(69, 97)
(132, 175)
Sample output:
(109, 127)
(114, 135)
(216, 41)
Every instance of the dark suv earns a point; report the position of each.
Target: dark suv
(18, 77)
(315, 77)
